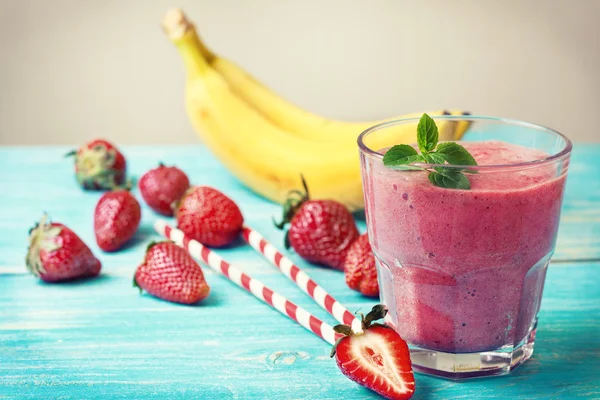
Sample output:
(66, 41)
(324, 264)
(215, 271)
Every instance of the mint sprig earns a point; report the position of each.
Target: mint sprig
(403, 157)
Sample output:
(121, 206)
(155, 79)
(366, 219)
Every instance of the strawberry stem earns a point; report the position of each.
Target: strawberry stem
(334, 348)
(378, 312)
(343, 329)
(135, 285)
(305, 186)
(153, 243)
(292, 204)
(278, 225)
(41, 237)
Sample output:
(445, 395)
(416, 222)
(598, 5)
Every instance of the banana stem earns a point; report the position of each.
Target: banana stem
(183, 34)
(206, 52)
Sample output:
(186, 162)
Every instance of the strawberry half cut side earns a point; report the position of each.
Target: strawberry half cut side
(377, 358)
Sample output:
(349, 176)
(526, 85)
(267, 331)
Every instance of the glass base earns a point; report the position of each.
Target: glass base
(472, 365)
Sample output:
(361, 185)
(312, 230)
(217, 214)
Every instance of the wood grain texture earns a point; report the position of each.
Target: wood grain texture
(102, 339)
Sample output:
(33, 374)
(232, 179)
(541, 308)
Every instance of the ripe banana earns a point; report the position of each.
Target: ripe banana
(263, 155)
(296, 120)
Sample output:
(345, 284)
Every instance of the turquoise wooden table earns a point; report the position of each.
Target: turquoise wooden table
(101, 339)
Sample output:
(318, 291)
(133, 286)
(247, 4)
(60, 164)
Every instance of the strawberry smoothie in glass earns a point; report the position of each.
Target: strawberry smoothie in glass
(462, 270)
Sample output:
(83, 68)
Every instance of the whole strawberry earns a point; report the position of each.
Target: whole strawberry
(171, 274)
(116, 219)
(161, 187)
(321, 231)
(360, 269)
(99, 165)
(57, 254)
(210, 217)
(377, 358)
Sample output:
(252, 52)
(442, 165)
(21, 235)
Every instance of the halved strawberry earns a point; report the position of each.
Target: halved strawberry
(377, 358)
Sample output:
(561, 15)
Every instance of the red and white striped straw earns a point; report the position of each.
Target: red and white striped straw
(300, 278)
(254, 286)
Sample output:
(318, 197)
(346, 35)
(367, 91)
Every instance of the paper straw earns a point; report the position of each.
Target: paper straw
(300, 278)
(254, 286)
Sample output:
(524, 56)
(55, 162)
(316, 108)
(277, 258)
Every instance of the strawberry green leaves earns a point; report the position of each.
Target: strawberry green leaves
(404, 157)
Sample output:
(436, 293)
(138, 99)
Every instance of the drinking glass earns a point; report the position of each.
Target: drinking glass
(462, 271)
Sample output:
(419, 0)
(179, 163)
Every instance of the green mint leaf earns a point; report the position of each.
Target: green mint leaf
(398, 154)
(435, 158)
(427, 134)
(398, 157)
(455, 154)
(409, 160)
(450, 179)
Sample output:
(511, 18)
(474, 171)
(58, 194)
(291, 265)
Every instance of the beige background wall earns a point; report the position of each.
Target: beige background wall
(71, 70)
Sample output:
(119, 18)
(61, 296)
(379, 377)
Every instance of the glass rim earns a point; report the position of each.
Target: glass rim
(520, 165)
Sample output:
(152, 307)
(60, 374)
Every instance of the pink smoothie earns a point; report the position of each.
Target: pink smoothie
(463, 270)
